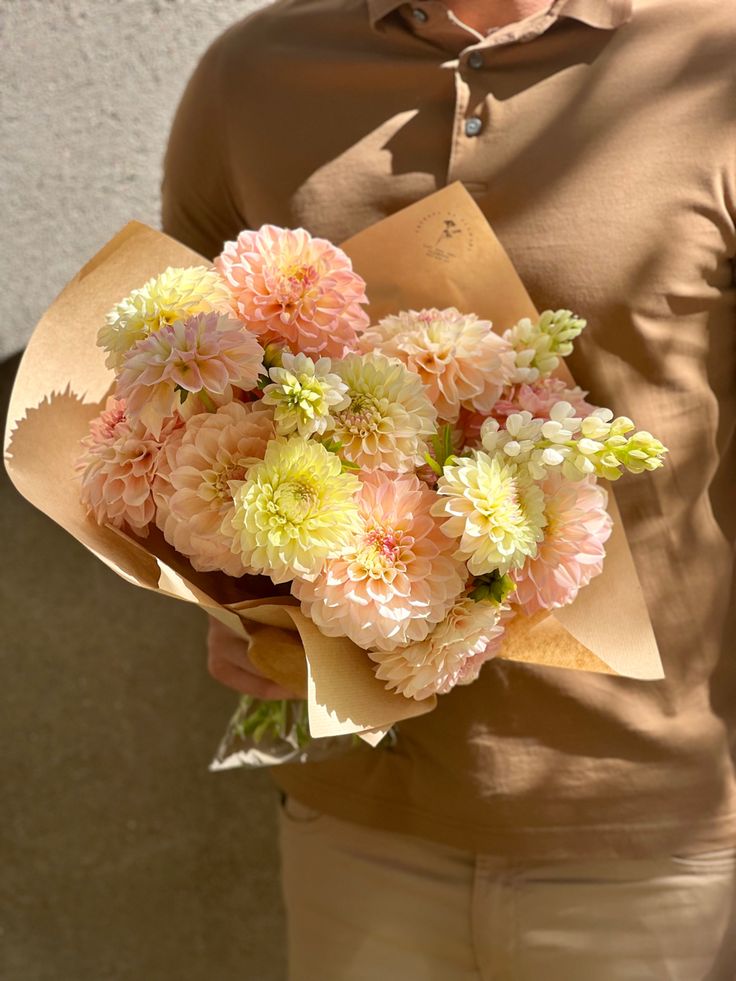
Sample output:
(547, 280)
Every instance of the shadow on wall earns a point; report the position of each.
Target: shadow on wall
(123, 858)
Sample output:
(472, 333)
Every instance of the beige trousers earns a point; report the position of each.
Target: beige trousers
(367, 905)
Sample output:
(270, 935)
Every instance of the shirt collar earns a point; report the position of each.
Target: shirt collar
(604, 14)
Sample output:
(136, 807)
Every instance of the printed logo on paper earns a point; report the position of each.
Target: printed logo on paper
(445, 235)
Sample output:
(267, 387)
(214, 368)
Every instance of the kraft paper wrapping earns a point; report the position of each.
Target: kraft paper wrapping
(439, 252)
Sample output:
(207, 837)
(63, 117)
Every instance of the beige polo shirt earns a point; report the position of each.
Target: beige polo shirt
(600, 141)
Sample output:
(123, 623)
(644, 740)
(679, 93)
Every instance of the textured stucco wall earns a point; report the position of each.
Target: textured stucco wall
(123, 859)
(88, 89)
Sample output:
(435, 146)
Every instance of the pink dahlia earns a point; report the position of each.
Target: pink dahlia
(539, 397)
(398, 577)
(458, 357)
(207, 355)
(202, 469)
(471, 668)
(572, 550)
(452, 654)
(118, 468)
(288, 286)
(470, 424)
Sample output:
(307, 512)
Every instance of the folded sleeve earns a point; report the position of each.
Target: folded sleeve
(198, 206)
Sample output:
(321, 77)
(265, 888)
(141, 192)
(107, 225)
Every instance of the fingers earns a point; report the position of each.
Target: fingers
(228, 663)
(245, 682)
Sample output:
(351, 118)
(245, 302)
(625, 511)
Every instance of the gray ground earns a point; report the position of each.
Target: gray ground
(122, 858)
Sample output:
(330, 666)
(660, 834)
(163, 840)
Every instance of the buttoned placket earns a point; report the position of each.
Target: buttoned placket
(474, 119)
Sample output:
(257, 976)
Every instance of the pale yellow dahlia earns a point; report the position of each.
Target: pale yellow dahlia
(390, 416)
(200, 471)
(295, 510)
(304, 393)
(458, 357)
(494, 510)
(398, 576)
(174, 295)
(452, 654)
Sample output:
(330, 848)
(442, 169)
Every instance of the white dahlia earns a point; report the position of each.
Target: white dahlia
(494, 511)
(396, 579)
(389, 418)
(304, 393)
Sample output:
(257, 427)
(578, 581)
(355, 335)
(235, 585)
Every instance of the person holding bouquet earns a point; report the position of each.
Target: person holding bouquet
(540, 823)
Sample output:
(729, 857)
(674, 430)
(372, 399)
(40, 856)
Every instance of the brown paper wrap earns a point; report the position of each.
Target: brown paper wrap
(439, 252)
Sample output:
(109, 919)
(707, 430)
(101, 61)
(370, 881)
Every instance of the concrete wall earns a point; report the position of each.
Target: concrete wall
(87, 93)
(122, 858)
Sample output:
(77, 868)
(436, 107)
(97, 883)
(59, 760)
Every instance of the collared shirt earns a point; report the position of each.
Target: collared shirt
(600, 142)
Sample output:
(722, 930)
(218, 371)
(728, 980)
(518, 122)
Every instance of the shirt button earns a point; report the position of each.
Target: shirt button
(473, 126)
(475, 59)
(420, 15)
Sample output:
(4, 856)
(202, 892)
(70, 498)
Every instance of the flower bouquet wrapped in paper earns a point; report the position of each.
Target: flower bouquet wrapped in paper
(368, 460)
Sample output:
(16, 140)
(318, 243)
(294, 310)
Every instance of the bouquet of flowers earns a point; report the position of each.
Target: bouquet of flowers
(418, 490)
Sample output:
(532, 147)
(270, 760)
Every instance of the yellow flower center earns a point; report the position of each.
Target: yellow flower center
(289, 283)
(362, 416)
(221, 481)
(293, 501)
(380, 556)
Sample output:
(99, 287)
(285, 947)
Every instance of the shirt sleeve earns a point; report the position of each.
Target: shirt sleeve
(198, 206)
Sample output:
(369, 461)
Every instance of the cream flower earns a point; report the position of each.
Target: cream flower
(207, 355)
(572, 552)
(389, 418)
(295, 510)
(396, 578)
(119, 466)
(287, 286)
(202, 468)
(596, 445)
(458, 357)
(494, 510)
(174, 295)
(452, 653)
(304, 393)
(539, 345)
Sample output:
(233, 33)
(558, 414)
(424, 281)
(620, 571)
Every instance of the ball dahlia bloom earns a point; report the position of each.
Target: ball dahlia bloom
(207, 355)
(458, 357)
(119, 466)
(389, 418)
(174, 295)
(572, 551)
(452, 654)
(493, 510)
(201, 469)
(303, 394)
(295, 510)
(396, 578)
(287, 286)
